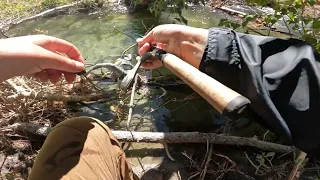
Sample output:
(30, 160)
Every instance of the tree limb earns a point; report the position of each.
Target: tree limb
(173, 137)
(47, 12)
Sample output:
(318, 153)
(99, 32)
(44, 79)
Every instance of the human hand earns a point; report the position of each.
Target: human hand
(187, 43)
(39, 56)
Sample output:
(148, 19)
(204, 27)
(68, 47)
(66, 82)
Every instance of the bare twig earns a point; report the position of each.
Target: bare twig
(205, 156)
(194, 175)
(233, 164)
(285, 22)
(253, 164)
(131, 101)
(165, 145)
(204, 172)
(265, 135)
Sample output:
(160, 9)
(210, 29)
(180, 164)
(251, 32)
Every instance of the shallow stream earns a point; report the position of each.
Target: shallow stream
(103, 35)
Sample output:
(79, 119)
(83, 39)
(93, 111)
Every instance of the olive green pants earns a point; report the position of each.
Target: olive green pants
(81, 148)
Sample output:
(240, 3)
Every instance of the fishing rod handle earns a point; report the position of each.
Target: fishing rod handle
(225, 100)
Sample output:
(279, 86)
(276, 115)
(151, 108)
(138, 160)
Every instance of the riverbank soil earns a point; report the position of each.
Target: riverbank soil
(155, 161)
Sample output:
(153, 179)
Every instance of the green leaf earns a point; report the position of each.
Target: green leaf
(244, 23)
(306, 21)
(262, 161)
(270, 154)
(316, 24)
(295, 27)
(318, 46)
(222, 22)
(235, 25)
(284, 11)
(278, 16)
(273, 21)
(292, 10)
(298, 6)
(310, 39)
(291, 16)
(311, 2)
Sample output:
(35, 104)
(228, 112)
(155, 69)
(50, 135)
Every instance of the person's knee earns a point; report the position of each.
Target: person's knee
(82, 123)
(92, 127)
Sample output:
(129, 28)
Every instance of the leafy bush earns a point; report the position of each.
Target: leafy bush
(92, 3)
(298, 17)
(156, 7)
(20, 8)
(306, 25)
(14, 9)
(48, 4)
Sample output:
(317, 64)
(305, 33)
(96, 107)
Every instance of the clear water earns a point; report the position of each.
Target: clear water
(104, 35)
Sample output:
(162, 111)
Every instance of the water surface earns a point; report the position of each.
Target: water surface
(104, 35)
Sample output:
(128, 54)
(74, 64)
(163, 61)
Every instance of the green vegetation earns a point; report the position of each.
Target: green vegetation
(308, 25)
(11, 10)
(156, 7)
(298, 12)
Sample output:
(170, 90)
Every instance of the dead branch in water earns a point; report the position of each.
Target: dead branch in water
(173, 137)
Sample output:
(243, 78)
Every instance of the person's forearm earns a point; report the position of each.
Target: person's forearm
(5, 72)
(281, 77)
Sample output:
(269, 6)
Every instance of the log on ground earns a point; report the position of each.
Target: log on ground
(173, 137)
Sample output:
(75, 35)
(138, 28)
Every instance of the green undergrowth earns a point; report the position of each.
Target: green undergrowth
(17, 9)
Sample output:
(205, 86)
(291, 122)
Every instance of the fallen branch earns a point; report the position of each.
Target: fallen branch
(47, 12)
(173, 137)
(204, 172)
(224, 8)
